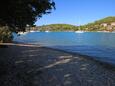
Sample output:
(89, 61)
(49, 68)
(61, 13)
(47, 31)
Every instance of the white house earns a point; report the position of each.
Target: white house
(104, 24)
(113, 24)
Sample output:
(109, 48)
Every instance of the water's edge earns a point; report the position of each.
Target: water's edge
(98, 46)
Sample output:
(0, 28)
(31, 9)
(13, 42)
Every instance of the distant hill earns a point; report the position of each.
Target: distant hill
(105, 24)
(107, 20)
(57, 27)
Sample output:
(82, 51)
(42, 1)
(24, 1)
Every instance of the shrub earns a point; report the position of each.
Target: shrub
(5, 35)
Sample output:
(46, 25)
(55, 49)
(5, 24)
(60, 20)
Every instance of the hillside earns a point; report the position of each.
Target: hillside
(105, 24)
(57, 27)
(107, 20)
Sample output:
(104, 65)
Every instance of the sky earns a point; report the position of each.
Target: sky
(78, 12)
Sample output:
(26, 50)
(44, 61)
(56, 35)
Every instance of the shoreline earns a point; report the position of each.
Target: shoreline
(60, 50)
(21, 33)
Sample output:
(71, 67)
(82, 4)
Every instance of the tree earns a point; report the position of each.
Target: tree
(19, 13)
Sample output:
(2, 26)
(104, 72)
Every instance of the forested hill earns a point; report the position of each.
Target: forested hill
(58, 27)
(107, 20)
(105, 24)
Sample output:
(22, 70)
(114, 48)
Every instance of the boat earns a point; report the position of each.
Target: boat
(22, 33)
(47, 31)
(79, 31)
(32, 31)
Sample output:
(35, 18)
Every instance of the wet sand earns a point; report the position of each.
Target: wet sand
(28, 65)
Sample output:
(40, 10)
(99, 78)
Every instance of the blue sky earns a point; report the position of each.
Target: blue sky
(78, 12)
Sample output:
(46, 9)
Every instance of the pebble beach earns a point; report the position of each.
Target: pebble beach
(29, 65)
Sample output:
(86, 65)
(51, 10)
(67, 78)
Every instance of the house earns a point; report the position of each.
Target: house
(104, 24)
(113, 24)
(109, 27)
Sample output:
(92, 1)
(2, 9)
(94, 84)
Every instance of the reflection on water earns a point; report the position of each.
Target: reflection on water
(97, 44)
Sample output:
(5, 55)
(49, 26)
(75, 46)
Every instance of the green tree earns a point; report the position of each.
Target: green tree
(5, 34)
(18, 13)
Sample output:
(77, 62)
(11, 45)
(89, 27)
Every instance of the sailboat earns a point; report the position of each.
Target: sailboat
(79, 31)
(47, 31)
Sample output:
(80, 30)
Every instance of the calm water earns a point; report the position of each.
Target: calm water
(99, 45)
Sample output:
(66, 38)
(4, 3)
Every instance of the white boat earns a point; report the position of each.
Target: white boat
(79, 31)
(47, 31)
(32, 31)
(22, 33)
